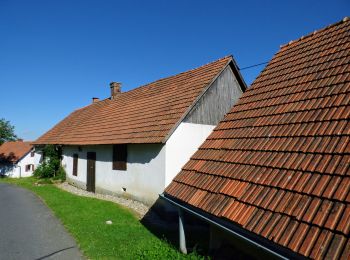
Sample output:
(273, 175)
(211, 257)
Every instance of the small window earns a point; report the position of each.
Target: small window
(32, 154)
(119, 157)
(75, 164)
(29, 167)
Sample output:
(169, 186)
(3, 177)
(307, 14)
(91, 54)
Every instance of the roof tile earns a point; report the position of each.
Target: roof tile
(11, 152)
(284, 149)
(163, 103)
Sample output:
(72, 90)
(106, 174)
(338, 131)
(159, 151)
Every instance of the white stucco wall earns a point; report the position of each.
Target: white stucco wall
(182, 144)
(143, 180)
(19, 169)
(150, 167)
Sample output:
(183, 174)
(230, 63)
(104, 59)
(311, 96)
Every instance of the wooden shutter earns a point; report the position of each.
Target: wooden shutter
(119, 157)
(75, 164)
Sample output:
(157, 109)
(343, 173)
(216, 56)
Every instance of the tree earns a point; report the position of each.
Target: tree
(6, 131)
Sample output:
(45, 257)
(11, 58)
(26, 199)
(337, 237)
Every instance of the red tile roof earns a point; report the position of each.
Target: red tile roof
(14, 151)
(278, 164)
(147, 114)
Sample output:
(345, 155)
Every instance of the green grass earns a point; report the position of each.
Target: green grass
(85, 219)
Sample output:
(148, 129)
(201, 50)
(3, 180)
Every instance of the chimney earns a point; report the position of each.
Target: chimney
(115, 89)
(19, 140)
(95, 99)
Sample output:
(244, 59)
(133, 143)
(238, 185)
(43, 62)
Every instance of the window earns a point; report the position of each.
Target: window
(29, 167)
(75, 164)
(32, 154)
(119, 157)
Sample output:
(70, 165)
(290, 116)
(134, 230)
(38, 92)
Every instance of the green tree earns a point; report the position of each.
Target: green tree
(7, 131)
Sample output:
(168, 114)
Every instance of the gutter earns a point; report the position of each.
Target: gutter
(234, 233)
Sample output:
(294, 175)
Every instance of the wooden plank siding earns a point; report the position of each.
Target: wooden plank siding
(217, 101)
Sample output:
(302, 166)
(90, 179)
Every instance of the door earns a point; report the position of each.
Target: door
(91, 163)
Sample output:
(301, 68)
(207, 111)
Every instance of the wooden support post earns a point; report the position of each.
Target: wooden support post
(182, 237)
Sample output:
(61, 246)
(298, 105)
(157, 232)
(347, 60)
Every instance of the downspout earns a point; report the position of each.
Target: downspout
(237, 235)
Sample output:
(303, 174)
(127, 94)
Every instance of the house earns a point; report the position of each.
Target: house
(273, 178)
(135, 142)
(18, 159)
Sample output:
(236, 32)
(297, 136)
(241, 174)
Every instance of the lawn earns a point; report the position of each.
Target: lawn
(85, 218)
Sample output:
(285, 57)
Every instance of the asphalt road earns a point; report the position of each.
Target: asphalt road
(28, 229)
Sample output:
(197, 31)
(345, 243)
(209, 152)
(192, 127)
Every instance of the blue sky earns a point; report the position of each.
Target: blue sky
(56, 55)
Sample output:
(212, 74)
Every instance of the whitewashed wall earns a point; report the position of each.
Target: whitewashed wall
(182, 144)
(19, 169)
(143, 180)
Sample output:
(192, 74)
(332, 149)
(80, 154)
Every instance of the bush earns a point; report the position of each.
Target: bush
(50, 167)
(61, 174)
(45, 170)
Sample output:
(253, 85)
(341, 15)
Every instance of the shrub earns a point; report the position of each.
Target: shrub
(45, 170)
(61, 174)
(50, 167)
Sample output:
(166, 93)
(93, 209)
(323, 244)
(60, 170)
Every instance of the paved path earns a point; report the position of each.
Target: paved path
(28, 229)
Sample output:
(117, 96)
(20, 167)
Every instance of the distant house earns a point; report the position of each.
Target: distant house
(273, 178)
(18, 159)
(135, 142)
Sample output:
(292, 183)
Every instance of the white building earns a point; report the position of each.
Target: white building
(18, 159)
(134, 143)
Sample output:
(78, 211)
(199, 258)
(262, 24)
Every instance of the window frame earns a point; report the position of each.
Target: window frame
(120, 157)
(29, 167)
(75, 164)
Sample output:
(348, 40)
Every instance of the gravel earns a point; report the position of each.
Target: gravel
(139, 208)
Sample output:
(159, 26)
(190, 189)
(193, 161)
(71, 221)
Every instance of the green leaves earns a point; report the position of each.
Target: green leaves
(50, 166)
(7, 131)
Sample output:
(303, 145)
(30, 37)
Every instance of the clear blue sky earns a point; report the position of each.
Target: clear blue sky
(56, 55)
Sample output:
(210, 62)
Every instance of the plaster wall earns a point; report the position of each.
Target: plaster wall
(19, 169)
(143, 180)
(182, 144)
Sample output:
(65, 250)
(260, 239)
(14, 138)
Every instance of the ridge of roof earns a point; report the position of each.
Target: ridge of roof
(145, 114)
(177, 74)
(344, 20)
(161, 79)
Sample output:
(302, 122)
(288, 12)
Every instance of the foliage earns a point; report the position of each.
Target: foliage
(85, 219)
(50, 166)
(44, 170)
(7, 131)
(60, 174)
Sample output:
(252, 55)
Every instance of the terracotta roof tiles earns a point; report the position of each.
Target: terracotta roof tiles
(146, 114)
(281, 156)
(14, 151)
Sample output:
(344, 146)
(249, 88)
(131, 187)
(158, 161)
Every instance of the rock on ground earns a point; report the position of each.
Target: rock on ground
(139, 208)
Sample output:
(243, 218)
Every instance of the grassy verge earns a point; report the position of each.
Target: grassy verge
(85, 219)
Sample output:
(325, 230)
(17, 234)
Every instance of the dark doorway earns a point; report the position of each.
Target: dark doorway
(91, 163)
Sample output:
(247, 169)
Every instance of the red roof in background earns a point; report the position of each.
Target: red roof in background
(278, 164)
(14, 151)
(143, 115)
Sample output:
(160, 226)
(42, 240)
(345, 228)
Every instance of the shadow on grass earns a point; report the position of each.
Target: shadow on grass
(162, 221)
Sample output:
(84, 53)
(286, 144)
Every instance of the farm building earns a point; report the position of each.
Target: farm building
(134, 143)
(18, 159)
